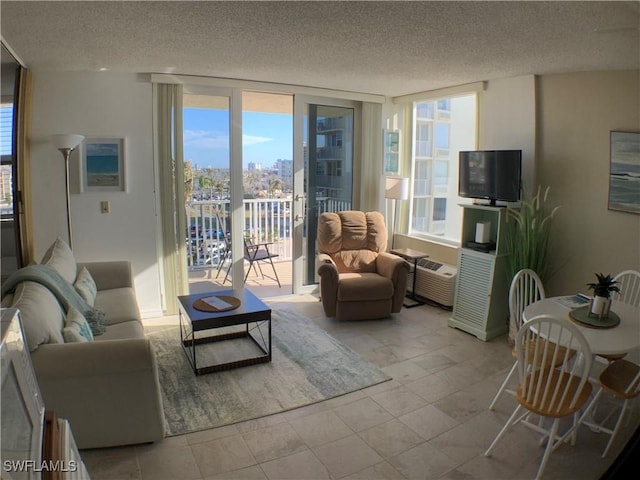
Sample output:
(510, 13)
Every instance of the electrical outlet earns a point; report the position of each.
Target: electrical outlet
(105, 207)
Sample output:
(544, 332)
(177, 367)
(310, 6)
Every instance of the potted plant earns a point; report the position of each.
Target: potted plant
(527, 234)
(602, 290)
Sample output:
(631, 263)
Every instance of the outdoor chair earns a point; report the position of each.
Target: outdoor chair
(255, 254)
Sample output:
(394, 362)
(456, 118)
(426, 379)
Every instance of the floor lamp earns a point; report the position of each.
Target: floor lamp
(396, 188)
(67, 144)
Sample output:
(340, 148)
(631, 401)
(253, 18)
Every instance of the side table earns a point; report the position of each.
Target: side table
(411, 256)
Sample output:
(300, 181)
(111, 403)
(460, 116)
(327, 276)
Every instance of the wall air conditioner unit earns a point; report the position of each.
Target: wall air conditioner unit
(435, 281)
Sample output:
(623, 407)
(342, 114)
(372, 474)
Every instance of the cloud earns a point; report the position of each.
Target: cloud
(253, 140)
(205, 139)
(209, 139)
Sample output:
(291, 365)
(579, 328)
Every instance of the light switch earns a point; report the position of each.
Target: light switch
(105, 207)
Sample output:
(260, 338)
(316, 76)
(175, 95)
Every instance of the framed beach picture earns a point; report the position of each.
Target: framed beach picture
(103, 164)
(624, 173)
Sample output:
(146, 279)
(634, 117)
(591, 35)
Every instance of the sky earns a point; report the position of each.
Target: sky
(267, 137)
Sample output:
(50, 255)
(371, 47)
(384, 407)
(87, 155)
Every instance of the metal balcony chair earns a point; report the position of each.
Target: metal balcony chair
(255, 254)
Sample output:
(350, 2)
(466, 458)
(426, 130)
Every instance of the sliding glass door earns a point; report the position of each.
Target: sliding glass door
(323, 178)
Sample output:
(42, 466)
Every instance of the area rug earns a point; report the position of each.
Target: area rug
(308, 366)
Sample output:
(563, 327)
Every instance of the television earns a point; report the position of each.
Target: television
(494, 175)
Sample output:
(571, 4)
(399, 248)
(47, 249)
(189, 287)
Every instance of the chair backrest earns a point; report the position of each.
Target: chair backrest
(353, 239)
(543, 387)
(629, 284)
(526, 288)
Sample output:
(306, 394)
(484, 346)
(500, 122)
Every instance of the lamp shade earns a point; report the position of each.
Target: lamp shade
(65, 141)
(396, 188)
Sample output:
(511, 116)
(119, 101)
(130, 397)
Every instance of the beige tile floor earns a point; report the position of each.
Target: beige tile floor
(431, 421)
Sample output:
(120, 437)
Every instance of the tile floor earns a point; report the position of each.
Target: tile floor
(431, 421)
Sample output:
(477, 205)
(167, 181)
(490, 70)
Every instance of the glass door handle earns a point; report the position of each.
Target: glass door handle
(299, 217)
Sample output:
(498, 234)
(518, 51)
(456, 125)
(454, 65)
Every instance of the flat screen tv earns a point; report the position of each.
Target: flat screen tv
(494, 175)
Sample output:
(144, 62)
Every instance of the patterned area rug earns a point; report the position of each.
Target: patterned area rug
(307, 366)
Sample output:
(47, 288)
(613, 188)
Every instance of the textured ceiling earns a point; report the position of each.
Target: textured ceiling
(388, 48)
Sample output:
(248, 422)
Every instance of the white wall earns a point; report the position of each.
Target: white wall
(97, 104)
(508, 121)
(576, 114)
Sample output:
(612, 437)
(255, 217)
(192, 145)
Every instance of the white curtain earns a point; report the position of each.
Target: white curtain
(372, 163)
(170, 164)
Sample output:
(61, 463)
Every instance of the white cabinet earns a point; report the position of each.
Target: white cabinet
(481, 300)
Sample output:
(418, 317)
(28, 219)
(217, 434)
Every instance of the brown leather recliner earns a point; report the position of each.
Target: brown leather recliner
(358, 279)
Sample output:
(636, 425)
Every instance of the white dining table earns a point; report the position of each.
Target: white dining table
(622, 338)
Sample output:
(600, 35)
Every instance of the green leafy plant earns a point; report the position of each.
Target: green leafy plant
(528, 230)
(605, 285)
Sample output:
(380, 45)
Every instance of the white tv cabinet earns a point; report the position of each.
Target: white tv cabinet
(481, 299)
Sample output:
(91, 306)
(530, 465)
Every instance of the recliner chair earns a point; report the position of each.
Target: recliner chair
(359, 280)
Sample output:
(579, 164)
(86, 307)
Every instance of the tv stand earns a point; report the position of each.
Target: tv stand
(481, 299)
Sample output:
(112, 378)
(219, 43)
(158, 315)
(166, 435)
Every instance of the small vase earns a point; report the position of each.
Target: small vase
(599, 306)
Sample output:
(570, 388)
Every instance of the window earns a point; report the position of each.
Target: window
(6, 164)
(442, 127)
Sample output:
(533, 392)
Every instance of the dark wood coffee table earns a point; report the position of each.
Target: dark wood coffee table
(252, 312)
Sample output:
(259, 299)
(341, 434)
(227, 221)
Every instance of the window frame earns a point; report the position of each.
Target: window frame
(413, 114)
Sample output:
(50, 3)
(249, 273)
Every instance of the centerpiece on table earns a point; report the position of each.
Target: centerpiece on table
(602, 290)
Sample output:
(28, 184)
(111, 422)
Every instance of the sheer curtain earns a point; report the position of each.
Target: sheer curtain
(169, 161)
(371, 164)
(23, 165)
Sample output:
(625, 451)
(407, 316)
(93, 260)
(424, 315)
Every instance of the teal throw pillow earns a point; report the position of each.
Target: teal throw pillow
(76, 327)
(86, 286)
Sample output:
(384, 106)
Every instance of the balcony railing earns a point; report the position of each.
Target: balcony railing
(265, 220)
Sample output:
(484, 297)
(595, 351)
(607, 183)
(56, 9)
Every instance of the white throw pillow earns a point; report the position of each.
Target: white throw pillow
(60, 257)
(76, 328)
(86, 286)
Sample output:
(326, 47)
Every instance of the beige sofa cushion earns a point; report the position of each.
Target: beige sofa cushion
(60, 257)
(42, 317)
(123, 331)
(118, 304)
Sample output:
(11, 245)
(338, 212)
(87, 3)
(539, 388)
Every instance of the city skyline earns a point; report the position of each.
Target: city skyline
(267, 137)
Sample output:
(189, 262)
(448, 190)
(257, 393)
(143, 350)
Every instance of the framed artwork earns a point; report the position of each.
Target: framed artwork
(624, 173)
(391, 151)
(103, 164)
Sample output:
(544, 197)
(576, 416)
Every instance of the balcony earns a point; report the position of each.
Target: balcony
(266, 220)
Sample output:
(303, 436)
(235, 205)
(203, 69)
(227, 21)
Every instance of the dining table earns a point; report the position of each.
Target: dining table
(621, 338)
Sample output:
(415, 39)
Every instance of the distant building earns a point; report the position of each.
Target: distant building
(284, 169)
(254, 166)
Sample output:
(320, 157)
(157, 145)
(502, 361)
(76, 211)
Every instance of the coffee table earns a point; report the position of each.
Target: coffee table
(252, 312)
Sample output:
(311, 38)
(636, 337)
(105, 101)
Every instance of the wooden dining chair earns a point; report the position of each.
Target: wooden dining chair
(546, 389)
(620, 378)
(526, 288)
(629, 284)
